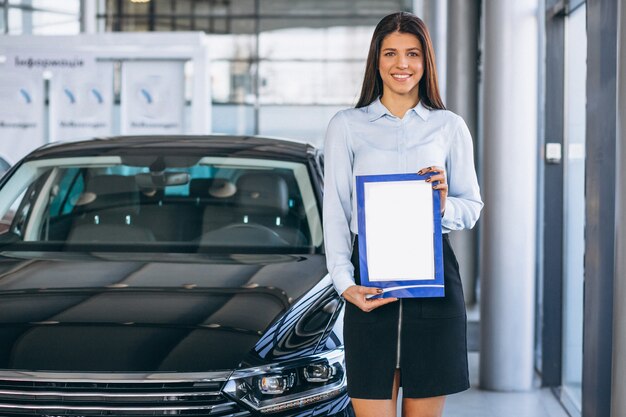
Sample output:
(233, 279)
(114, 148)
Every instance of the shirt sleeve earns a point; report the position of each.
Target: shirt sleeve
(463, 204)
(338, 158)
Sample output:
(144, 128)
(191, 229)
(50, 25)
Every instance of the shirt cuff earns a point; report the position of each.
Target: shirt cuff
(342, 282)
(448, 220)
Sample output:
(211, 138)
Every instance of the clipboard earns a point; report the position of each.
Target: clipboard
(400, 237)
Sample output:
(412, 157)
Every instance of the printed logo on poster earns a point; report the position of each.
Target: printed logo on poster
(152, 98)
(81, 103)
(21, 113)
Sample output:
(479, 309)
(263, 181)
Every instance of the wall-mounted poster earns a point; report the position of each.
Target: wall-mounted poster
(81, 103)
(152, 97)
(21, 113)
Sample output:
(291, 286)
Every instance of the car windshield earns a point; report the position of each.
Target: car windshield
(160, 202)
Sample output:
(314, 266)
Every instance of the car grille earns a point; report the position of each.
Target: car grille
(120, 398)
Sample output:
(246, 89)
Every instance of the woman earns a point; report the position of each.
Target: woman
(400, 125)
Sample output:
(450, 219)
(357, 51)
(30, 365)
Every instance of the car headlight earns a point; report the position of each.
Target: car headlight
(286, 385)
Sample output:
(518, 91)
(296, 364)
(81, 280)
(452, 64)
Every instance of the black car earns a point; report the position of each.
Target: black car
(149, 276)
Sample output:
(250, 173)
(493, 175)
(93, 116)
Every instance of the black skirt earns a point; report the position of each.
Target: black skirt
(425, 337)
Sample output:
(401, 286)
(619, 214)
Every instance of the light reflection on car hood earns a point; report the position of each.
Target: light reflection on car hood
(145, 312)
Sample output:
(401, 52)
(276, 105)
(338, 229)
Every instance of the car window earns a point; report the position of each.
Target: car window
(9, 215)
(4, 167)
(152, 201)
(71, 185)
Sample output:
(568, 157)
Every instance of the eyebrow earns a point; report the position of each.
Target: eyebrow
(415, 48)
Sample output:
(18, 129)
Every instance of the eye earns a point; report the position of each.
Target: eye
(414, 54)
(389, 53)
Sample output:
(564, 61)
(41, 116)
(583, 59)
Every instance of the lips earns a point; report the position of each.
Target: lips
(401, 77)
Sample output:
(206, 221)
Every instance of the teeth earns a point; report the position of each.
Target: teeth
(401, 76)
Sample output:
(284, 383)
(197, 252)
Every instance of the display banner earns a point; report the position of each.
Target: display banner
(152, 97)
(21, 113)
(81, 103)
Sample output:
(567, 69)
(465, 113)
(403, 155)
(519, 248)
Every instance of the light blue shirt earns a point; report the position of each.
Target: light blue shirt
(372, 141)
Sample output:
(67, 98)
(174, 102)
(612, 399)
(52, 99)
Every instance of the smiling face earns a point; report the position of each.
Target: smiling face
(401, 65)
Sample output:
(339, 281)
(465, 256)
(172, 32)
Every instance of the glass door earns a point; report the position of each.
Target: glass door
(574, 207)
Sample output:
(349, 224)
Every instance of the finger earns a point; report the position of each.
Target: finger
(440, 187)
(431, 169)
(371, 290)
(443, 191)
(372, 304)
(437, 177)
(381, 301)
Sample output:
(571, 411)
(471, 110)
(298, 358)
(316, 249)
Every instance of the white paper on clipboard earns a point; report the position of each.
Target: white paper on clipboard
(399, 224)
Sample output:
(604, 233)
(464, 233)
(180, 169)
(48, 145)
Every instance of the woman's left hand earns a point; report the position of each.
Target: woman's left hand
(439, 183)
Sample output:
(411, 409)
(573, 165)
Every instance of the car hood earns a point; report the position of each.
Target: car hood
(143, 313)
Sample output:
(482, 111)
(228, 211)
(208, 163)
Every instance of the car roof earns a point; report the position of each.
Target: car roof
(215, 145)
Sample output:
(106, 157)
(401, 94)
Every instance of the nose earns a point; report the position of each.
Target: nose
(402, 62)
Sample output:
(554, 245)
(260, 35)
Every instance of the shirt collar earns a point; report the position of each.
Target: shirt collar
(377, 110)
(422, 111)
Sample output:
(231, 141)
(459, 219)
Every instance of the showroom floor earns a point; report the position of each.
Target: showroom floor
(478, 403)
(475, 402)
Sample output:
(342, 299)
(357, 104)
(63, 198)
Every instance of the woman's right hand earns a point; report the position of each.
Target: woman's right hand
(356, 294)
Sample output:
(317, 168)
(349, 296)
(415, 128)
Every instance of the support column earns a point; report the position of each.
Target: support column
(618, 400)
(509, 167)
(5, 14)
(434, 14)
(600, 203)
(462, 98)
(88, 16)
(27, 17)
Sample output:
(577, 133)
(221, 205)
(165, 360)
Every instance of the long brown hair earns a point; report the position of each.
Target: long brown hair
(402, 22)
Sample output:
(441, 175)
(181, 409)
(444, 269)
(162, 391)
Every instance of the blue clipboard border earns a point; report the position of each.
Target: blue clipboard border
(401, 289)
